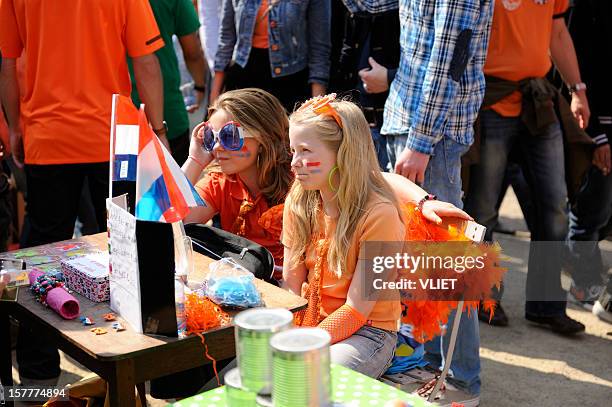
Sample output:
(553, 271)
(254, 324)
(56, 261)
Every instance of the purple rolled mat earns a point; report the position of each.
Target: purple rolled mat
(58, 299)
(64, 303)
(34, 274)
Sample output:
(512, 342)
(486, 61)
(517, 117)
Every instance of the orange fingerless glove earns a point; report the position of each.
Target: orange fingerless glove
(343, 322)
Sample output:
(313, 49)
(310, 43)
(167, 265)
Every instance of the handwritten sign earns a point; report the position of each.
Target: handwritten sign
(124, 277)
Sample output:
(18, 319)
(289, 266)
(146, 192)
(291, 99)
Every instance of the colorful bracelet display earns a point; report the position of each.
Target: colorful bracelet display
(43, 284)
(49, 291)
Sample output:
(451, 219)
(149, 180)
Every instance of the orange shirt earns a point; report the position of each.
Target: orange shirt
(226, 193)
(76, 59)
(260, 32)
(519, 43)
(380, 223)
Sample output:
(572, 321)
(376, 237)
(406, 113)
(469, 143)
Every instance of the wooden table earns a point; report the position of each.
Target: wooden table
(126, 358)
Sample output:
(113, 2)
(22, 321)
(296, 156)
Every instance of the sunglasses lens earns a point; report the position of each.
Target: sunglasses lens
(230, 137)
(208, 141)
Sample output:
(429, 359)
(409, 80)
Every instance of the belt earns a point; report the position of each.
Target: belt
(374, 115)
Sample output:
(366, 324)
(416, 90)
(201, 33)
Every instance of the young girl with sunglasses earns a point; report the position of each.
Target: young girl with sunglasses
(338, 203)
(246, 134)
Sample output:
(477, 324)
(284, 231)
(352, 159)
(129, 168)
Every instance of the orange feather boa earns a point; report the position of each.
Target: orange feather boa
(427, 315)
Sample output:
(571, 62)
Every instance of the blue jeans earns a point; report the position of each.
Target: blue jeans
(368, 351)
(589, 214)
(443, 178)
(380, 144)
(542, 162)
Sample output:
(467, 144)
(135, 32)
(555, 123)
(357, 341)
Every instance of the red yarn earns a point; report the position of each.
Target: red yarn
(201, 315)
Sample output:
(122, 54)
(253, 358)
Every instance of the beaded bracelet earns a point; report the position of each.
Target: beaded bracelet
(43, 284)
(428, 197)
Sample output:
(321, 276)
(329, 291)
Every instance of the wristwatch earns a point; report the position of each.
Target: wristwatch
(162, 130)
(201, 89)
(577, 87)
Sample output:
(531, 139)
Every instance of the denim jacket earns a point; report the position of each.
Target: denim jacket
(298, 36)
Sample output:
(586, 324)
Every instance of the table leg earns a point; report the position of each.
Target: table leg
(6, 364)
(6, 371)
(142, 394)
(121, 384)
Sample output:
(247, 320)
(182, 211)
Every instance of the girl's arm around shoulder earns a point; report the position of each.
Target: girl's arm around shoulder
(382, 222)
(407, 191)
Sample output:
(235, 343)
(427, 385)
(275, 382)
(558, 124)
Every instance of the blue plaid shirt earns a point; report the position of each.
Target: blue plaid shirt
(370, 6)
(439, 86)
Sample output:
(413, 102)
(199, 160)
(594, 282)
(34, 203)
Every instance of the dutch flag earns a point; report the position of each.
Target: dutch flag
(124, 133)
(163, 192)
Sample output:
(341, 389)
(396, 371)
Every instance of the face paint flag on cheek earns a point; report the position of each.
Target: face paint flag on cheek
(242, 153)
(313, 167)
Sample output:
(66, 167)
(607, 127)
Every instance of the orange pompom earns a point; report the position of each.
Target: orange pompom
(421, 308)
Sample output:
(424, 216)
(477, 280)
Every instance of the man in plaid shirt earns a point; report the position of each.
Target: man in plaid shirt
(438, 89)
(429, 114)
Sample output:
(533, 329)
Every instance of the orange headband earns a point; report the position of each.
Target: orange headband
(321, 105)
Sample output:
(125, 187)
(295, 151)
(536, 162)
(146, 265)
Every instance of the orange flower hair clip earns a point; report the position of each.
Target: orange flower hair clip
(321, 105)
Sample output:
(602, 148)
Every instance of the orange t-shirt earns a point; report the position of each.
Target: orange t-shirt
(380, 223)
(225, 194)
(76, 59)
(519, 43)
(260, 32)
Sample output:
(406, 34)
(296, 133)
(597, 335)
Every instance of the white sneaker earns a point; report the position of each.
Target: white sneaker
(585, 296)
(603, 307)
(447, 395)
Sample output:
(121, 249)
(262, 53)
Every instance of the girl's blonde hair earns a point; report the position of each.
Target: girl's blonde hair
(360, 179)
(262, 115)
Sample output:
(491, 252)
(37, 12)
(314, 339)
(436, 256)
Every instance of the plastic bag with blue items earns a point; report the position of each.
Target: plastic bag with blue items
(231, 285)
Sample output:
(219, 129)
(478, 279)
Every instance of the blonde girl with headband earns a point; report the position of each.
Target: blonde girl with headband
(339, 201)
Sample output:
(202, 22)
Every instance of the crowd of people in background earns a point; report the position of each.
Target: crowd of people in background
(460, 97)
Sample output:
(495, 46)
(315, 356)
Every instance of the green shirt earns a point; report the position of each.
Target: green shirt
(174, 17)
